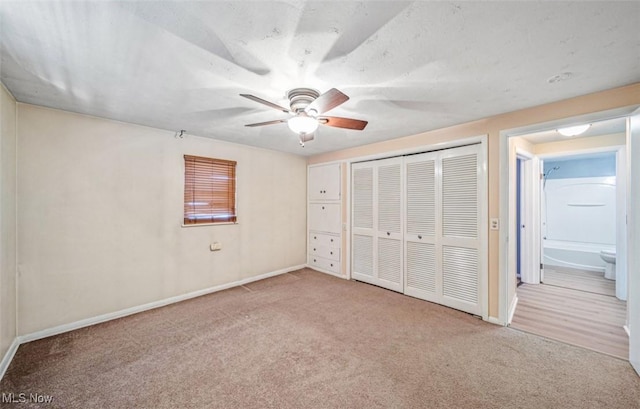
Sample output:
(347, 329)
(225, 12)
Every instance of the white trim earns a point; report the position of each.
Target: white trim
(149, 306)
(495, 321)
(331, 273)
(8, 357)
(346, 224)
(512, 308)
(503, 233)
(484, 231)
(626, 329)
(422, 148)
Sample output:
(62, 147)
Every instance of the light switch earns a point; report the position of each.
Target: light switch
(215, 246)
(495, 224)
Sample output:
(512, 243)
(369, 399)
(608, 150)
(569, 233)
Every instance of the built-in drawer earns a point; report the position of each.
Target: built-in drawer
(332, 253)
(320, 239)
(324, 264)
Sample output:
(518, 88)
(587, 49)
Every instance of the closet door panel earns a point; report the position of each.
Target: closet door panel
(363, 234)
(389, 223)
(460, 196)
(363, 256)
(460, 244)
(421, 196)
(390, 264)
(421, 261)
(421, 271)
(460, 277)
(362, 185)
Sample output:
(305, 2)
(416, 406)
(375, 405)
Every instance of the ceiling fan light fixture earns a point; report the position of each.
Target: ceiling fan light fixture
(303, 124)
(573, 130)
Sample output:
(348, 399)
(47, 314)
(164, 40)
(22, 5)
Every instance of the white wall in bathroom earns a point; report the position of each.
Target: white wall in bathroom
(581, 210)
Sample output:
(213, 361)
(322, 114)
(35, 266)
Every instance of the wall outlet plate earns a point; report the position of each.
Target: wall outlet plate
(495, 224)
(215, 246)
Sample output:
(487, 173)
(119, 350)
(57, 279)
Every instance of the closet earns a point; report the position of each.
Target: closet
(416, 225)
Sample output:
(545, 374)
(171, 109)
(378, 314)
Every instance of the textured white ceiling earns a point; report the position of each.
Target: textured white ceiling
(408, 67)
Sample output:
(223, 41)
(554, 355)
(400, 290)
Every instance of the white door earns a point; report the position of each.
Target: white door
(633, 239)
(461, 247)
(422, 244)
(362, 238)
(377, 223)
(389, 223)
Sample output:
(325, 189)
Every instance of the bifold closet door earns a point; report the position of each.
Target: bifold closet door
(377, 223)
(422, 246)
(461, 193)
(441, 238)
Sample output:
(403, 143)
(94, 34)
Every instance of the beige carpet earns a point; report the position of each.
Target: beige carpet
(308, 340)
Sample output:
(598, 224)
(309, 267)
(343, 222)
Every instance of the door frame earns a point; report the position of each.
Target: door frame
(504, 301)
(633, 238)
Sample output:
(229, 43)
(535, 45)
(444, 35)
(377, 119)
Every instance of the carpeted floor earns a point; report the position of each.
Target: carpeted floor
(309, 340)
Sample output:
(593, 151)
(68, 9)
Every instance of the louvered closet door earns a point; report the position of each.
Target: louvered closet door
(362, 239)
(422, 266)
(377, 223)
(389, 224)
(460, 240)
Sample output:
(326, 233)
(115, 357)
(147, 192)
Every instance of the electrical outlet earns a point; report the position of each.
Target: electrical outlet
(495, 224)
(217, 246)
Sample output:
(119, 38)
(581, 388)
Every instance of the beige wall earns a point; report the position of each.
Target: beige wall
(7, 220)
(99, 224)
(597, 102)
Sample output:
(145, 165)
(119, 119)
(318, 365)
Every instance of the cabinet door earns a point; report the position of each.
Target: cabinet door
(325, 217)
(324, 182)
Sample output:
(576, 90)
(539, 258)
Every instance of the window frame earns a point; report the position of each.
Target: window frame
(208, 221)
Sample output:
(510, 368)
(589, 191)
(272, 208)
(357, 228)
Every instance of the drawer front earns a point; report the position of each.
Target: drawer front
(332, 253)
(324, 264)
(319, 239)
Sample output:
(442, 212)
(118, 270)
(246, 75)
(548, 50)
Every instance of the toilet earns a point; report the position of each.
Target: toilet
(609, 258)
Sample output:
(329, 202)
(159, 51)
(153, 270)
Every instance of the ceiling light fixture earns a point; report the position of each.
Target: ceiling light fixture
(303, 124)
(573, 130)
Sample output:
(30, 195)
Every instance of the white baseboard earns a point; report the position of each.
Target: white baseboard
(494, 320)
(512, 308)
(6, 360)
(145, 307)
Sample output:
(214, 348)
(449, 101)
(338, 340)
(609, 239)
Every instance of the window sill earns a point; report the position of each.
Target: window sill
(209, 224)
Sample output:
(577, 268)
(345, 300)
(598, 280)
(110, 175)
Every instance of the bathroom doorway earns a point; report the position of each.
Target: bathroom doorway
(567, 297)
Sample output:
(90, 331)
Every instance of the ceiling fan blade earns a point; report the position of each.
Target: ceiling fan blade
(267, 103)
(277, 121)
(348, 123)
(327, 101)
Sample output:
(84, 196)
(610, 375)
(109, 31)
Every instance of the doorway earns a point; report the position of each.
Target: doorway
(567, 297)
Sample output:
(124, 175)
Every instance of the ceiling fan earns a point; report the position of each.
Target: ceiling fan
(307, 107)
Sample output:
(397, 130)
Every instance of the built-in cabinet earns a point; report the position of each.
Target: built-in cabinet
(325, 218)
(417, 224)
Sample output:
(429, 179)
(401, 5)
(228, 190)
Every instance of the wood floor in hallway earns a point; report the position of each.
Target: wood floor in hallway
(582, 318)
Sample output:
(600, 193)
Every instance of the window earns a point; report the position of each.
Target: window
(209, 190)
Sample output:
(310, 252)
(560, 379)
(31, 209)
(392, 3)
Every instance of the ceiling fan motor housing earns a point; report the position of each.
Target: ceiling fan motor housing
(300, 98)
